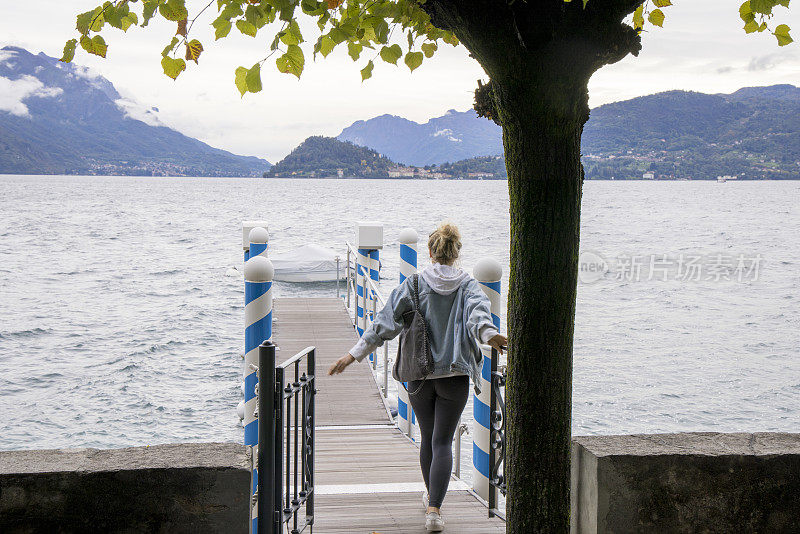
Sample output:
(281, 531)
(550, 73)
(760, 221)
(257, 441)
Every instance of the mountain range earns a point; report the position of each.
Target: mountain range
(451, 137)
(753, 133)
(59, 118)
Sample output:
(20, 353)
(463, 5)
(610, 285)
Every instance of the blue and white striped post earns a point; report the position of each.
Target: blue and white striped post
(247, 226)
(258, 273)
(488, 273)
(408, 267)
(259, 242)
(369, 241)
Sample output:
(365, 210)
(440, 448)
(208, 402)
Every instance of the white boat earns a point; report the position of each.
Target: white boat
(309, 263)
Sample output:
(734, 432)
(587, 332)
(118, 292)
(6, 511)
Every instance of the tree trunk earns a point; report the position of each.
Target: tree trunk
(542, 121)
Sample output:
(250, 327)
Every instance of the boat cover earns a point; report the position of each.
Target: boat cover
(309, 263)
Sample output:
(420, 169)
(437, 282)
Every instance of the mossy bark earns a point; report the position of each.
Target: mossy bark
(541, 137)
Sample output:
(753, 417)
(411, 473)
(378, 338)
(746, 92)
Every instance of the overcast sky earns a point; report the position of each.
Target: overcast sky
(702, 47)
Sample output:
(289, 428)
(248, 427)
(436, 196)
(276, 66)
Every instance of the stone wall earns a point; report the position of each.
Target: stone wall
(192, 487)
(663, 483)
(690, 482)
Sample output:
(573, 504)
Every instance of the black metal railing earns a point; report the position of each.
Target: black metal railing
(285, 442)
(497, 436)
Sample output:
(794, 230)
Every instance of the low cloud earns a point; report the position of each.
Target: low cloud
(767, 62)
(5, 55)
(447, 132)
(724, 70)
(136, 111)
(13, 93)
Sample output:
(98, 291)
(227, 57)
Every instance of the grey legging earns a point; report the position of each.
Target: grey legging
(438, 405)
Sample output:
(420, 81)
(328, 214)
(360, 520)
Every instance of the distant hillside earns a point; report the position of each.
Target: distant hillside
(753, 133)
(451, 137)
(56, 118)
(494, 165)
(324, 157)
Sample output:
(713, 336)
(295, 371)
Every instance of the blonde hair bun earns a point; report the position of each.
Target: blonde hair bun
(445, 243)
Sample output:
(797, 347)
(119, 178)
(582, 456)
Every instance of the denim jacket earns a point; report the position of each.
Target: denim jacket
(457, 323)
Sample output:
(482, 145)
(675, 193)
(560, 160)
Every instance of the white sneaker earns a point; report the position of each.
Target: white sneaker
(425, 500)
(434, 522)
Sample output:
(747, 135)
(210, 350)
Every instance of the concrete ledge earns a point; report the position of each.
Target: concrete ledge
(690, 482)
(192, 487)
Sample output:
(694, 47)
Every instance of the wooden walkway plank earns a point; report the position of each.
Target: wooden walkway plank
(350, 398)
(368, 477)
(399, 513)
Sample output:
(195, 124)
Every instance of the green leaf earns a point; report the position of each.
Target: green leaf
(246, 28)
(111, 15)
(656, 17)
(662, 3)
(93, 18)
(429, 49)
(241, 80)
(173, 10)
(413, 60)
(148, 10)
(222, 30)
(173, 66)
(253, 15)
(193, 50)
(450, 39)
(782, 34)
(751, 26)
(762, 6)
(292, 62)
(390, 54)
(410, 40)
(96, 45)
(294, 30)
(326, 45)
(638, 18)
(745, 13)
(82, 22)
(313, 7)
(366, 72)
(286, 8)
(69, 51)
(131, 19)
(354, 50)
(253, 78)
(338, 35)
(170, 47)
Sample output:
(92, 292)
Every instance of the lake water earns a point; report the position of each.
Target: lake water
(119, 325)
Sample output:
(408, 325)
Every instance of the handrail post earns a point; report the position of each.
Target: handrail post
(258, 273)
(488, 273)
(266, 439)
(372, 319)
(348, 277)
(462, 428)
(386, 369)
(408, 267)
(277, 481)
(337, 276)
(310, 436)
(369, 239)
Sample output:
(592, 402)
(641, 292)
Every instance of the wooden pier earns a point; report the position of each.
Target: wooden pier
(367, 472)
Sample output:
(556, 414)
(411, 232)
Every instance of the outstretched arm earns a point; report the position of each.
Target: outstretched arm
(387, 324)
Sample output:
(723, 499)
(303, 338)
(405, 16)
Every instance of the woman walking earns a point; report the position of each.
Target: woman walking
(457, 316)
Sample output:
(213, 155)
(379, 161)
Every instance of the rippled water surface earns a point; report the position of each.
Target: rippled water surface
(121, 325)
